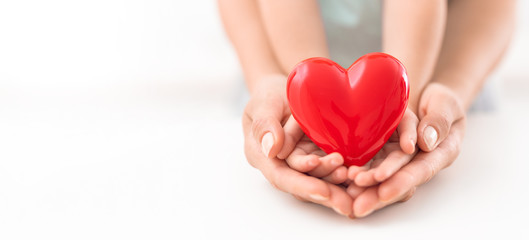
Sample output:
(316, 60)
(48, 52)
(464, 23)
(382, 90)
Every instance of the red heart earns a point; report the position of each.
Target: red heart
(354, 111)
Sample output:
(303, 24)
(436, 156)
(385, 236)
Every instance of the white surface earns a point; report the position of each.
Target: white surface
(120, 120)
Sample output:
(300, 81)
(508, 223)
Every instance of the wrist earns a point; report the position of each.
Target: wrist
(275, 83)
(459, 91)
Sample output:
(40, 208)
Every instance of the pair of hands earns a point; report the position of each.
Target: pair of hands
(291, 162)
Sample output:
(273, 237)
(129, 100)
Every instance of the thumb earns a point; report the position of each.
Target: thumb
(437, 118)
(293, 134)
(267, 131)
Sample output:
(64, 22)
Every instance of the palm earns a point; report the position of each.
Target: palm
(401, 185)
(307, 157)
(305, 147)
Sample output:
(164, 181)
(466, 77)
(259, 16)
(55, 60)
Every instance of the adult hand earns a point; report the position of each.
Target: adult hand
(439, 109)
(265, 139)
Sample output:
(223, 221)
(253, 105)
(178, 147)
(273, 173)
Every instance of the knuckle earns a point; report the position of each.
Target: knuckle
(444, 122)
(409, 175)
(453, 149)
(259, 125)
(430, 169)
(409, 195)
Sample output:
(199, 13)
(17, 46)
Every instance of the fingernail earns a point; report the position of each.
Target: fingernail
(266, 143)
(365, 213)
(430, 137)
(317, 197)
(339, 211)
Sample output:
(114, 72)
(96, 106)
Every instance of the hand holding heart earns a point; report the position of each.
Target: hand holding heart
(394, 156)
(267, 114)
(393, 174)
(354, 111)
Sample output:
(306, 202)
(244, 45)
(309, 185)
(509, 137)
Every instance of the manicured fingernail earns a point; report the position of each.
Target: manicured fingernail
(339, 211)
(365, 213)
(266, 143)
(317, 197)
(430, 137)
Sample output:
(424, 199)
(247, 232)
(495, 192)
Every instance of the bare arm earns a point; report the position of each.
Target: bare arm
(413, 32)
(245, 29)
(294, 29)
(477, 34)
(270, 37)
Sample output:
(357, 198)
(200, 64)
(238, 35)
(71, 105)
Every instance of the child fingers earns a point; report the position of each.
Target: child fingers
(337, 176)
(365, 178)
(354, 170)
(395, 161)
(407, 130)
(301, 162)
(327, 164)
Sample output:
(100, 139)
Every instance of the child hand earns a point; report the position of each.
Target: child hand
(396, 153)
(308, 158)
(265, 137)
(439, 109)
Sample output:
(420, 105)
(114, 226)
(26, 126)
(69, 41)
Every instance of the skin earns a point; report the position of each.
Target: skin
(413, 32)
(266, 56)
(443, 53)
(473, 25)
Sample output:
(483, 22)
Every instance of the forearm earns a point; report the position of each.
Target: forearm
(477, 34)
(245, 29)
(294, 29)
(270, 38)
(413, 33)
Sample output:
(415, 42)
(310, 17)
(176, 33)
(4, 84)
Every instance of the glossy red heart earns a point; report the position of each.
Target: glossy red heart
(354, 111)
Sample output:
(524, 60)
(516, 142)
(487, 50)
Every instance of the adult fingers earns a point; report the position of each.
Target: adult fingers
(368, 201)
(354, 190)
(266, 128)
(423, 166)
(306, 187)
(300, 198)
(439, 108)
(293, 134)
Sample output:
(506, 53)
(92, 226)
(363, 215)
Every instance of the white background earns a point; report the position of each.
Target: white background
(120, 120)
